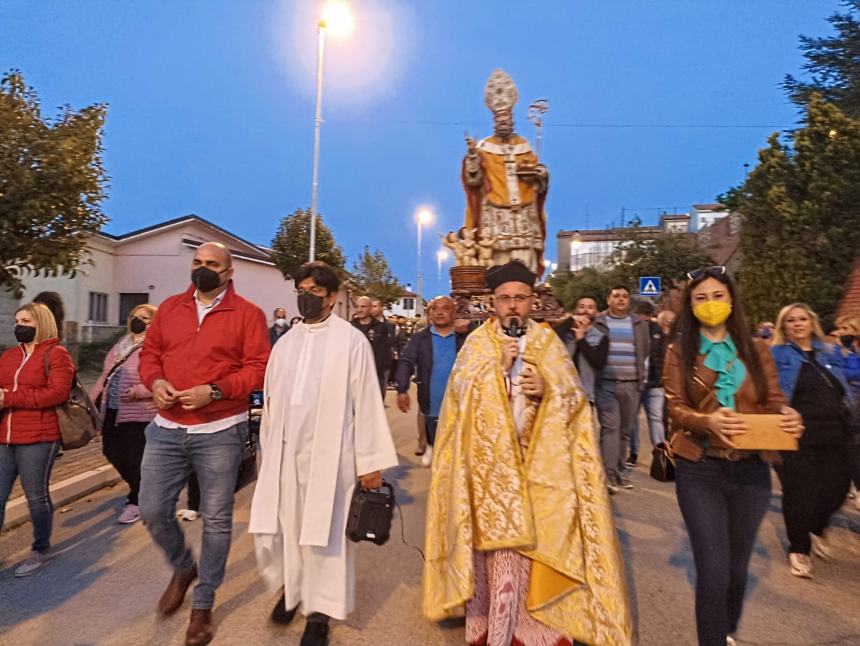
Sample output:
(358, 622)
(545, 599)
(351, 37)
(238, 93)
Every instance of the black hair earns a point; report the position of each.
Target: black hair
(54, 302)
(688, 330)
(589, 296)
(645, 308)
(614, 287)
(321, 272)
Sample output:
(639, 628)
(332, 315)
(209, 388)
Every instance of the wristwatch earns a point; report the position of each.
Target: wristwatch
(216, 393)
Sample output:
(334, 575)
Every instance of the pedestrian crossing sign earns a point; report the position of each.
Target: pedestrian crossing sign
(649, 285)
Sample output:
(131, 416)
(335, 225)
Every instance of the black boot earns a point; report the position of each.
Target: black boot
(316, 630)
(280, 614)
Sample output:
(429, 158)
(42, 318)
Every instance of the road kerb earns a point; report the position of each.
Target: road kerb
(63, 492)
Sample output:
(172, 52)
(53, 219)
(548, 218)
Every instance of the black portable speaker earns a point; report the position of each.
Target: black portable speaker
(370, 514)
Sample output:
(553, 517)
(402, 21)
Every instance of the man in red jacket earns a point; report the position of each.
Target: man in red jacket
(205, 352)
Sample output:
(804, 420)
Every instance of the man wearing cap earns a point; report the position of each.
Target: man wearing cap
(519, 527)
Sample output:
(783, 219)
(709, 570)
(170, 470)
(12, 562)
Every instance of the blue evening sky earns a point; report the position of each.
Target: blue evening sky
(211, 104)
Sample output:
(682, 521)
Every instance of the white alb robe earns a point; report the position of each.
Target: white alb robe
(323, 425)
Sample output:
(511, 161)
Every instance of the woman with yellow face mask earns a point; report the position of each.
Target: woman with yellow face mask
(714, 369)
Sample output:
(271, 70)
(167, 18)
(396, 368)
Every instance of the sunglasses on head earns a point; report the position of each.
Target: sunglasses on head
(716, 270)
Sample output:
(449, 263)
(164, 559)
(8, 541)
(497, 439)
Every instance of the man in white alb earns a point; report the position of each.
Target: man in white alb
(323, 427)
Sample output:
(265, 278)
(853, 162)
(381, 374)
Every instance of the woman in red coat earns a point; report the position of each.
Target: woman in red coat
(35, 376)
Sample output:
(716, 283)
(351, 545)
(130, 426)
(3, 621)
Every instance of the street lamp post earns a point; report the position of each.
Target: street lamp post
(424, 216)
(336, 18)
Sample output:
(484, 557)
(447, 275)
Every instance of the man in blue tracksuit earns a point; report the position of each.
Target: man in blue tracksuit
(430, 355)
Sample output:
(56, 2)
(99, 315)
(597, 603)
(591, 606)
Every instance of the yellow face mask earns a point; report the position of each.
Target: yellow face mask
(712, 313)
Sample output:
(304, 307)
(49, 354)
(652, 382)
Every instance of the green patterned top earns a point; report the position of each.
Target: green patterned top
(722, 358)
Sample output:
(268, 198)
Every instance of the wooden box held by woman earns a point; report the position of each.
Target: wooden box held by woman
(714, 370)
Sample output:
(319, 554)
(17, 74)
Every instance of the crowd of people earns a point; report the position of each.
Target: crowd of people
(529, 429)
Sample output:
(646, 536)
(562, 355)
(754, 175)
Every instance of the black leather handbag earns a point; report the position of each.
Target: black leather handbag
(370, 514)
(663, 463)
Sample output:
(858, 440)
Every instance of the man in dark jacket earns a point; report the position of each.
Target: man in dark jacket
(376, 332)
(587, 343)
(430, 353)
(653, 396)
(279, 325)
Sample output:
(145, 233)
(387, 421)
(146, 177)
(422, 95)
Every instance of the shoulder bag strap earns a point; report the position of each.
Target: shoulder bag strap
(118, 364)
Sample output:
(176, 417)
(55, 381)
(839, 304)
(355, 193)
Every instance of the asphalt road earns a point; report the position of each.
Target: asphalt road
(102, 586)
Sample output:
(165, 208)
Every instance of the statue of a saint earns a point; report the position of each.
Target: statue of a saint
(505, 184)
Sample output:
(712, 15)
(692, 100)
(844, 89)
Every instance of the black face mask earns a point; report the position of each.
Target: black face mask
(848, 340)
(137, 326)
(310, 305)
(206, 279)
(25, 333)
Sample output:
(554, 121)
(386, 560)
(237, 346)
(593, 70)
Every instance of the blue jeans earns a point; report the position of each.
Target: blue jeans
(168, 460)
(654, 400)
(617, 405)
(722, 503)
(33, 462)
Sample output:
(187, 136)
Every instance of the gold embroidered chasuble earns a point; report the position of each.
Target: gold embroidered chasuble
(543, 494)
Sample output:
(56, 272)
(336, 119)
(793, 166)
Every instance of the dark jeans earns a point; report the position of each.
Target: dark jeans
(170, 456)
(815, 481)
(123, 446)
(33, 462)
(722, 503)
(430, 424)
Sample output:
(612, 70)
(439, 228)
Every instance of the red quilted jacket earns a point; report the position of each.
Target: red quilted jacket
(30, 395)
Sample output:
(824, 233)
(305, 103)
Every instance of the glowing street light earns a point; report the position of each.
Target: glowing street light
(422, 217)
(337, 19)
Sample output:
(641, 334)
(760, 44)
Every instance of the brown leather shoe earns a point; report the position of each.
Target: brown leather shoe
(199, 628)
(174, 595)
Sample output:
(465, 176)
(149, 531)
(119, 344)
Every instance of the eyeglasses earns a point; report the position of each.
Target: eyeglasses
(716, 270)
(518, 299)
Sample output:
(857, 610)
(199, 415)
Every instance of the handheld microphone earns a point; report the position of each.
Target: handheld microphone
(514, 329)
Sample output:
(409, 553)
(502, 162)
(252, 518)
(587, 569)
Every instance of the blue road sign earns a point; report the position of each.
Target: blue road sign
(649, 286)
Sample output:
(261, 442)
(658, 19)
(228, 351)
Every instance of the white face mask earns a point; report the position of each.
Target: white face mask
(281, 322)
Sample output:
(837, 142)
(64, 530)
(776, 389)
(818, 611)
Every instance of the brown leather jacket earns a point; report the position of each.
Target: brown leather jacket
(690, 418)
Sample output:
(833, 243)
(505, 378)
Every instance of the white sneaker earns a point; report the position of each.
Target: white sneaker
(427, 458)
(187, 514)
(801, 565)
(130, 514)
(730, 641)
(33, 563)
(820, 547)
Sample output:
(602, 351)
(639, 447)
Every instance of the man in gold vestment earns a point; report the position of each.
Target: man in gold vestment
(519, 525)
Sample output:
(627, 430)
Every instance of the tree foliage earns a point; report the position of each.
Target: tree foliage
(801, 215)
(291, 244)
(372, 277)
(568, 286)
(669, 255)
(52, 182)
(832, 64)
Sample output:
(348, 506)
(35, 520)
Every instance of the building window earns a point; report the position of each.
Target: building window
(127, 303)
(98, 307)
